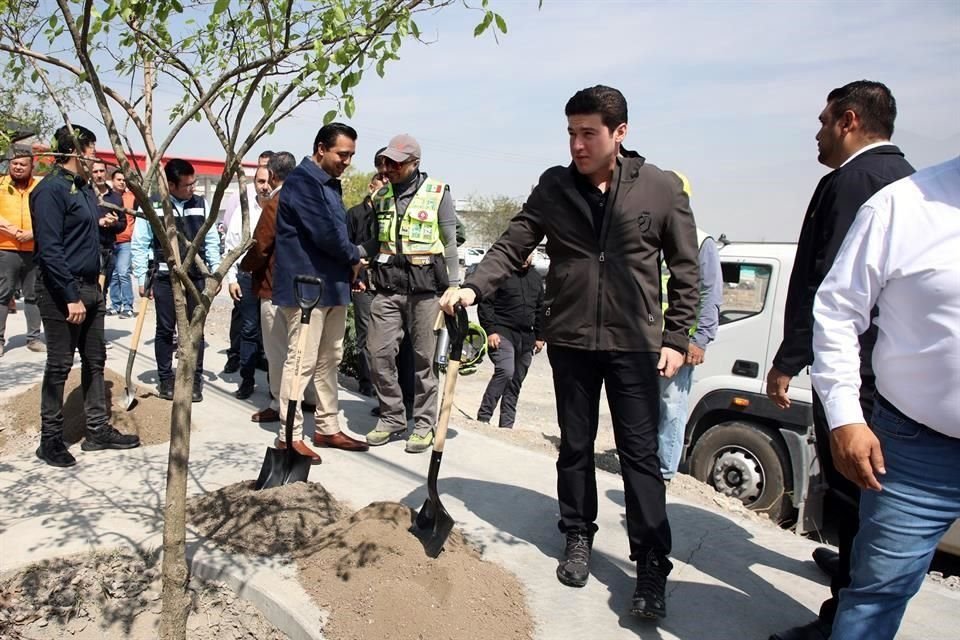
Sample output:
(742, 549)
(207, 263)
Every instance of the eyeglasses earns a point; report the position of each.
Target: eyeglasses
(389, 163)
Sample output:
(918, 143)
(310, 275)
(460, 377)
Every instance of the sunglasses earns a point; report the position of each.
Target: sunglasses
(389, 163)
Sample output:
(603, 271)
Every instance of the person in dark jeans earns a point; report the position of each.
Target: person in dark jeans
(511, 319)
(608, 217)
(65, 218)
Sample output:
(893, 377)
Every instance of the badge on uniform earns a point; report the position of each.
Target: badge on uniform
(423, 215)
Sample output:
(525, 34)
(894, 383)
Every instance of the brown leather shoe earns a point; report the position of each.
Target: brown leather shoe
(266, 415)
(302, 448)
(339, 440)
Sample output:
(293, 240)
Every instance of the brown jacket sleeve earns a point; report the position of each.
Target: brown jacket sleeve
(257, 258)
(680, 252)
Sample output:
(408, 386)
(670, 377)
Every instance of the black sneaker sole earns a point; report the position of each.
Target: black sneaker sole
(570, 582)
(87, 445)
(54, 463)
(648, 614)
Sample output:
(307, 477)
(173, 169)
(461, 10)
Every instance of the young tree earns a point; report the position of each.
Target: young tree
(490, 215)
(241, 68)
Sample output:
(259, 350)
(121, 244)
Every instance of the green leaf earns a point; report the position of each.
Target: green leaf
(329, 116)
(380, 63)
(266, 101)
(414, 29)
(52, 21)
(220, 7)
(487, 19)
(339, 15)
(501, 23)
(348, 106)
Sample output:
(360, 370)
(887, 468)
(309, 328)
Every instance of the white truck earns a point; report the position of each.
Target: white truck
(737, 440)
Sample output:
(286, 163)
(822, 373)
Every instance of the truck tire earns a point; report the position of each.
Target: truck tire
(747, 462)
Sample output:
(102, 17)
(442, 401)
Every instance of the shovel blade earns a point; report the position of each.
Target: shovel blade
(432, 526)
(129, 398)
(282, 467)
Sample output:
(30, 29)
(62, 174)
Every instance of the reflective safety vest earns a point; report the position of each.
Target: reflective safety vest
(665, 275)
(420, 227)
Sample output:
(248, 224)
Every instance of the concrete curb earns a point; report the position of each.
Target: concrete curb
(267, 583)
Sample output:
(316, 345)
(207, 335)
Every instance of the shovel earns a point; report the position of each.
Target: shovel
(286, 466)
(433, 524)
(129, 391)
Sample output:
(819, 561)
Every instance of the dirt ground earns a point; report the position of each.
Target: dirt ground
(367, 569)
(114, 596)
(20, 414)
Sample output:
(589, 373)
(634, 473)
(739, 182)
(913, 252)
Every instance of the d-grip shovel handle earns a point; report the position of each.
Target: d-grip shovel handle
(457, 326)
(307, 304)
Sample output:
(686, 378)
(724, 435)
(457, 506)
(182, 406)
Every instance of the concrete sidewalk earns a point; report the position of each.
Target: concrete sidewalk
(733, 578)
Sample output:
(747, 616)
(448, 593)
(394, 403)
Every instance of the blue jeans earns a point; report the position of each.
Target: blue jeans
(674, 393)
(121, 289)
(900, 526)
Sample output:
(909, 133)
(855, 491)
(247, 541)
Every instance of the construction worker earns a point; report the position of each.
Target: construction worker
(675, 391)
(413, 261)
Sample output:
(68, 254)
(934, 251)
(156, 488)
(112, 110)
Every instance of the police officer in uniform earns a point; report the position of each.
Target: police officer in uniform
(413, 261)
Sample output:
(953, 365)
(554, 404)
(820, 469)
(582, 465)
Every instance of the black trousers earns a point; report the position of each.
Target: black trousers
(63, 341)
(633, 393)
(167, 325)
(511, 363)
(108, 262)
(841, 504)
(361, 320)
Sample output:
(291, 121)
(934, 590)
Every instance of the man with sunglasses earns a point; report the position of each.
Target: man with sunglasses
(413, 261)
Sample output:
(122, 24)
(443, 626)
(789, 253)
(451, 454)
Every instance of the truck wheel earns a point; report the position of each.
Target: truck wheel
(746, 462)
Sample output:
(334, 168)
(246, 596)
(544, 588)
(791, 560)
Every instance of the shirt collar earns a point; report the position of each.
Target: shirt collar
(316, 172)
(867, 148)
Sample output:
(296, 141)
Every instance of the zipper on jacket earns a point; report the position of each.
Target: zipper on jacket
(603, 260)
(646, 304)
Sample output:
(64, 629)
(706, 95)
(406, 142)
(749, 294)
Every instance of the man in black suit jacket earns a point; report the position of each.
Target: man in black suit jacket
(854, 141)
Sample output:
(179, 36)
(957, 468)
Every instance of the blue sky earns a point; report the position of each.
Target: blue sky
(727, 92)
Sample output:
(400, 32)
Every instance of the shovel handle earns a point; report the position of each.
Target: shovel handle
(457, 325)
(307, 304)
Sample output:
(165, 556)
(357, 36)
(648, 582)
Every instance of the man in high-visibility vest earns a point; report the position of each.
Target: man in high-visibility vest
(675, 391)
(414, 260)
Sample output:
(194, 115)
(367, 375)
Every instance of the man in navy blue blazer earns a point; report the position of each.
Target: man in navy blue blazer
(312, 240)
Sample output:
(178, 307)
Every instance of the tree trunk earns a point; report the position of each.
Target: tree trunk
(175, 572)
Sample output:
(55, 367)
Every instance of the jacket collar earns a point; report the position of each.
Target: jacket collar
(318, 174)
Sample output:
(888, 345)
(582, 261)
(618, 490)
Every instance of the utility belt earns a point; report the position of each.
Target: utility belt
(403, 273)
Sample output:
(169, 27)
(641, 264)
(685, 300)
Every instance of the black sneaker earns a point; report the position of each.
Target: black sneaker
(54, 452)
(107, 437)
(246, 389)
(165, 389)
(197, 392)
(574, 569)
(649, 598)
(233, 365)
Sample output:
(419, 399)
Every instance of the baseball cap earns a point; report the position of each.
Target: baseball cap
(402, 148)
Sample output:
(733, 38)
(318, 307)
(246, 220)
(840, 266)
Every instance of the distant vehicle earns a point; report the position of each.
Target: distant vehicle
(541, 261)
(737, 440)
(473, 256)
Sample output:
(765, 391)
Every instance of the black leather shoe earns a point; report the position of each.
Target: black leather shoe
(816, 630)
(649, 598)
(574, 569)
(54, 452)
(828, 560)
(165, 389)
(197, 392)
(245, 390)
(109, 438)
(232, 366)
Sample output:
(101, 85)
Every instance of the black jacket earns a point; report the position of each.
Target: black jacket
(831, 212)
(108, 235)
(603, 290)
(64, 210)
(515, 309)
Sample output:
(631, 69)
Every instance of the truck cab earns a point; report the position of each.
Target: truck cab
(737, 440)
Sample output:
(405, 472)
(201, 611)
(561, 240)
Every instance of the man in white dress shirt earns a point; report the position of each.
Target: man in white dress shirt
(901, 255)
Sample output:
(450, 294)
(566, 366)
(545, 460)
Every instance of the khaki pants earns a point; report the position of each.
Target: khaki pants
(273, 325)
(390, 314)
(318, 364)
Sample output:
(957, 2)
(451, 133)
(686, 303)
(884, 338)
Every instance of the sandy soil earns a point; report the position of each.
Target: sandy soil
(20, 414)
(366, 568)
(114, 596)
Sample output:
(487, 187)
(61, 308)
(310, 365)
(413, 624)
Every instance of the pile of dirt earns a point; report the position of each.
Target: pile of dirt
(149, 419)
(367, 569)
(283, 522)
(114, 596)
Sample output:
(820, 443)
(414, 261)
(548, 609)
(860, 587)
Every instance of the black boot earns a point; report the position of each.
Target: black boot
(649, 598)
(165, 389)
(232, 365)
(245, 390)
(816, 630)
(106, 437)
(574, 569)
(197, 391)
(54, 452)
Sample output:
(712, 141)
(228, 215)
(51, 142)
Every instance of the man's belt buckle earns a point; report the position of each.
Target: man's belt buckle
(420, 261)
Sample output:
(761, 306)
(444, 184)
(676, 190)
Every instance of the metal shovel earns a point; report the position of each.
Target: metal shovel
(130, 391)
(286, 466)
(433, 524)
